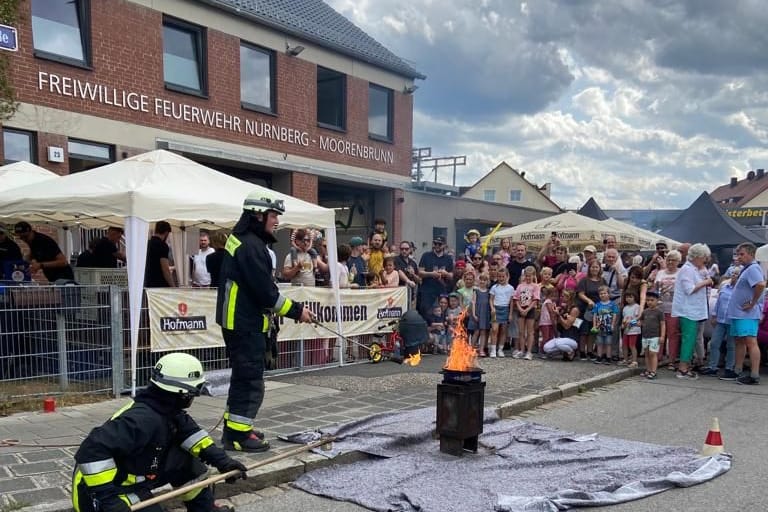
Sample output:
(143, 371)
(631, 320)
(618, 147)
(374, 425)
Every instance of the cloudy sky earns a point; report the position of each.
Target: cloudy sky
(639, 103)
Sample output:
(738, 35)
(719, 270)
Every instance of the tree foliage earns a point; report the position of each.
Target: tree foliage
(9, 15)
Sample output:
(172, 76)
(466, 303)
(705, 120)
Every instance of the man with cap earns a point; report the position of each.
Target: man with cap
(44, 253)
(9, 250)
(150, 442)
(356, 263)
(246, 296)
(436, 271)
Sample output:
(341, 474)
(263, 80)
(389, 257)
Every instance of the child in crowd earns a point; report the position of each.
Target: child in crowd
(526, 298)
(500, 299)
(481, 314)
(547, 318)
(473, 244)
(379, 227)
(467, 288)
(605, 314)
(452, 315)
(437, 328)
(631, 326)
(547, 281)
(652, 329)
(390, 278)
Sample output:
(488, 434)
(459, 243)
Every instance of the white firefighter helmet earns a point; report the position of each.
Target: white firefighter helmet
(260, 201)
(178, 373)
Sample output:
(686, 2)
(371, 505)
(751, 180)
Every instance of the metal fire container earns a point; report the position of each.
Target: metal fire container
(460, 404)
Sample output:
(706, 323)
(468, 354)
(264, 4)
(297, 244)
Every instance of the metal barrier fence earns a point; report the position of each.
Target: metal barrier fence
(76, 339)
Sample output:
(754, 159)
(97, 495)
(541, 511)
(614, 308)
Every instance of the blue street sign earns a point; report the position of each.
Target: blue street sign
(8, 38)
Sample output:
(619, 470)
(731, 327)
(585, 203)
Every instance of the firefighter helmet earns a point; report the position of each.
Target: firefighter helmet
(259, 201)
(178, 373)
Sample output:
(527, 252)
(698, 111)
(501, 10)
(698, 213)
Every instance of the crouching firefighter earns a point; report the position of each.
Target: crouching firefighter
(247, 295)
(150, 442)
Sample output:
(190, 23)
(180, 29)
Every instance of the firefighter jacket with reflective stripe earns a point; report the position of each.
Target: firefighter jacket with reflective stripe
(247, 292)
(132, 446)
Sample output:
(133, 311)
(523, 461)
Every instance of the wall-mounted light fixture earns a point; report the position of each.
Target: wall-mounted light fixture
(410, 89)
(293, 50)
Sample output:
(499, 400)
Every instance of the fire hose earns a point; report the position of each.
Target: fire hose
(229, 474)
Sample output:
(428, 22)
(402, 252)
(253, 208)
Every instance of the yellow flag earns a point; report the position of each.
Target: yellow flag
(484, 246)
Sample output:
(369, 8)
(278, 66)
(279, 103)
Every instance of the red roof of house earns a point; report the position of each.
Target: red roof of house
(739, 192)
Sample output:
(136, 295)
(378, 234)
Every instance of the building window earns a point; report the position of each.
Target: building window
(18, 145)
(331, 99)
(515, 196)
(380, 101)
(184, 64)
(489, 195)
(257, 78)
(84, 155)
(61, 31)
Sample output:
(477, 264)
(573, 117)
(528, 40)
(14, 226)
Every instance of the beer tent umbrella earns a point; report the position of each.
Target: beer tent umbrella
(574, 231)
(643, 239)
(158, 185)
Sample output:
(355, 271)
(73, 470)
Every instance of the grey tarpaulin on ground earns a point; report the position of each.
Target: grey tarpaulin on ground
(521, 466)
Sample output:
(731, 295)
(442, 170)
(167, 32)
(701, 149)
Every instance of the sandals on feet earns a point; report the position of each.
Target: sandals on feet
(650, 375)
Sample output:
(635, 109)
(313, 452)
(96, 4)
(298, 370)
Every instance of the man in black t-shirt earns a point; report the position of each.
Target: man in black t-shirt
(158, 271)
(106, 251)
(44, 254)
(517, 264)
(436, 271)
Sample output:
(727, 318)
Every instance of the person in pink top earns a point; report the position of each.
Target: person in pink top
(526, 299)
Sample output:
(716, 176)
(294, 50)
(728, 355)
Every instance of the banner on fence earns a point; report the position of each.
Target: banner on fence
(186, 318)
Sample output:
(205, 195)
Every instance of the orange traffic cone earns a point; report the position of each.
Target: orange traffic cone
(714, 442)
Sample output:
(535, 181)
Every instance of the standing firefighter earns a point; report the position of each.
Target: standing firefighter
(150, 442)
(247, 295)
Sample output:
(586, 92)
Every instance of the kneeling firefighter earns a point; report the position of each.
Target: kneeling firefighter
(247, 295)
(148, 443)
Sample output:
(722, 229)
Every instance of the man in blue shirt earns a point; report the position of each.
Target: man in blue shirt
(744, 311)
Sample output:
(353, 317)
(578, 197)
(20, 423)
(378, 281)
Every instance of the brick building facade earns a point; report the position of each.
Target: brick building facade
(285, 94)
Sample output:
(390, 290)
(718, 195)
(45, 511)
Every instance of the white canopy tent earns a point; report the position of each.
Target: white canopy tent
(20, 174)
(153, 186)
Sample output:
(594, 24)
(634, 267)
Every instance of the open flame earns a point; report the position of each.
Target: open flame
(462, 356)
(413, 359)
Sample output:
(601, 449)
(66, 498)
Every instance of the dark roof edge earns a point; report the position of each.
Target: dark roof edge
(405, 71)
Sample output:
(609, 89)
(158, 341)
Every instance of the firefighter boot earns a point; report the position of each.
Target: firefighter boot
(248, 442)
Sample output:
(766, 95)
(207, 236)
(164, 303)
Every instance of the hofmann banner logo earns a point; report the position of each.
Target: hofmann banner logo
(390, 311)
(183, 323)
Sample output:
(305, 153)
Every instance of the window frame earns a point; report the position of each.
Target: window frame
(492, 193)
(32, 144)
(519, 193)
(389, 137)
(201, 40)
(109, 147)
(343, 102)
(272, 80)
(83, 9)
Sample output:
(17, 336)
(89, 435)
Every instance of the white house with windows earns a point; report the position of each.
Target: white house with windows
(506, 185)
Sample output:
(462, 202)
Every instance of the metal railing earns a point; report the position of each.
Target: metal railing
(75, 339)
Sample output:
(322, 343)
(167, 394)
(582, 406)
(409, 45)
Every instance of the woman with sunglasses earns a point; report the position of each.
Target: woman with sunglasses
(480, 264)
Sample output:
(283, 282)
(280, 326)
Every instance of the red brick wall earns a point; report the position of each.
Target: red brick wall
(304, 186)
(48, 139)
(127, 55)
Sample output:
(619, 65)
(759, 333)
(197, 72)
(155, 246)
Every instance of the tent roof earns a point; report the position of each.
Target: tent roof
(153, 186)
(705, 222)
(593, 210)
(20, 174)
